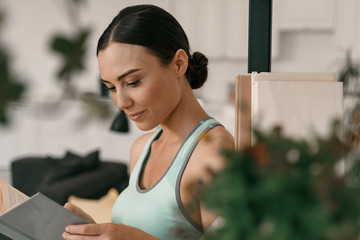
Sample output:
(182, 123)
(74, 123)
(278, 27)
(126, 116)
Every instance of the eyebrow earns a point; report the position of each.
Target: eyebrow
(122, 76)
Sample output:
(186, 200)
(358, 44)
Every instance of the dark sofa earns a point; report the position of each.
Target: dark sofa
(58, 178)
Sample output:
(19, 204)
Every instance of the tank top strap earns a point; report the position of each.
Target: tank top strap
(183, 155)
(144, 155)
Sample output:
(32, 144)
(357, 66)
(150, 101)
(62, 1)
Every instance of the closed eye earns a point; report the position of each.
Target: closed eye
(133, 83)
(111, 89)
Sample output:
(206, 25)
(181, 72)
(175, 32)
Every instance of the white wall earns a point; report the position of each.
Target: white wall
(309, 35)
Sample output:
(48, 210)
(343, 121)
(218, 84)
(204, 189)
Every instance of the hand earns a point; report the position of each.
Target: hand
(109, 231)
(78, 211)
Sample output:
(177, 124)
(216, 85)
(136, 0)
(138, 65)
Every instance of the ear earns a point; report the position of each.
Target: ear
(180, 62)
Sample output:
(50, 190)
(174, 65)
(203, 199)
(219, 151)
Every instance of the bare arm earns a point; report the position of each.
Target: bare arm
(110, 231)
(214, 143)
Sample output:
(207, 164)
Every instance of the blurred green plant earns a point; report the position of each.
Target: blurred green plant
(72, 49)
(349, 74)
(282, 188)
(11, 87)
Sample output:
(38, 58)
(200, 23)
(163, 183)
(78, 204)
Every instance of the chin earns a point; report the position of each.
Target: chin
(145, 126)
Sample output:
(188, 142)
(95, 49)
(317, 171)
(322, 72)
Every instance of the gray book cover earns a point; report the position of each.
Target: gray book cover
(38, 218)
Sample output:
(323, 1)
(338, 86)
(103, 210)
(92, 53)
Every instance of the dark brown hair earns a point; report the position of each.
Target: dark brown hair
(157, 30)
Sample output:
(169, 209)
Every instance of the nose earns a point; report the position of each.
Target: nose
(122, 100)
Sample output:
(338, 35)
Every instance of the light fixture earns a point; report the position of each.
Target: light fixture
(120, 123)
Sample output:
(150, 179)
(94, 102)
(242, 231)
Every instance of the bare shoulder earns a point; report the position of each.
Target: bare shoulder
(218, 138)
(137, 148)
(212, 145)
(207, 158)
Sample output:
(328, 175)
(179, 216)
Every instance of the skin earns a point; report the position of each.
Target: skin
(152, 94)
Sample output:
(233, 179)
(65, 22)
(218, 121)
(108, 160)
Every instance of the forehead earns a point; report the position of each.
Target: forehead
(122, 57)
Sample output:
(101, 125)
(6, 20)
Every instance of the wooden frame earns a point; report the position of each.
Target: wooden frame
(242, 111)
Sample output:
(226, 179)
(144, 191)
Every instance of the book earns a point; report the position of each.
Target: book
(32, 218)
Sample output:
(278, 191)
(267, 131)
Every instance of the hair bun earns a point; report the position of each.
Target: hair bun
(197, 70)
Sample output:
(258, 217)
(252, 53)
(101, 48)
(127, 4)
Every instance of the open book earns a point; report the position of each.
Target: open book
(9, 197)
(37, 217)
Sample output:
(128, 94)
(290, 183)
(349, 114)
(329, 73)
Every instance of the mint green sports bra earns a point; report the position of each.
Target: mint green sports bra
(159, 210)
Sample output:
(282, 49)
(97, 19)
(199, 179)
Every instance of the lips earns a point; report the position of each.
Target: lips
(136, 116)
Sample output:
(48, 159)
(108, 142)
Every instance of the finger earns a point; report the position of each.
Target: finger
(85, 229)
(75, 209)
(69, 236)
(71, 207)
(78, 211)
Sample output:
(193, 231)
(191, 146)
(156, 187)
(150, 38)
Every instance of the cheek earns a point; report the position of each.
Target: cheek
(167, 97)
(151, 95)
(160, 98)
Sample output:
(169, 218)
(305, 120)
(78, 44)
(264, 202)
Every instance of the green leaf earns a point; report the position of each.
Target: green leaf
(72, 51)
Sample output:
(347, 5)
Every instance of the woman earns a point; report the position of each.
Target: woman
(145, 62)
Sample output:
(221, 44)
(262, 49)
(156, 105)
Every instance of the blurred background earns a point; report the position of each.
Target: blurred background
(51, 99)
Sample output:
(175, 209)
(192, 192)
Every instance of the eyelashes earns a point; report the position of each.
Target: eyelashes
(128, 84)
(133, 83)
(110, 89)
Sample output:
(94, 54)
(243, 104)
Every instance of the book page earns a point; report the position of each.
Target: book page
(10, 197)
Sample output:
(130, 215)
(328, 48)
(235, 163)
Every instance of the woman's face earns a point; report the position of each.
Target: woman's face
(139, 84)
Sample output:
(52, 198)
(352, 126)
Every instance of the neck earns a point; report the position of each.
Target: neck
(187, 114)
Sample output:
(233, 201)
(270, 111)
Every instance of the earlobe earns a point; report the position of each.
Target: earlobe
(180, 62)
